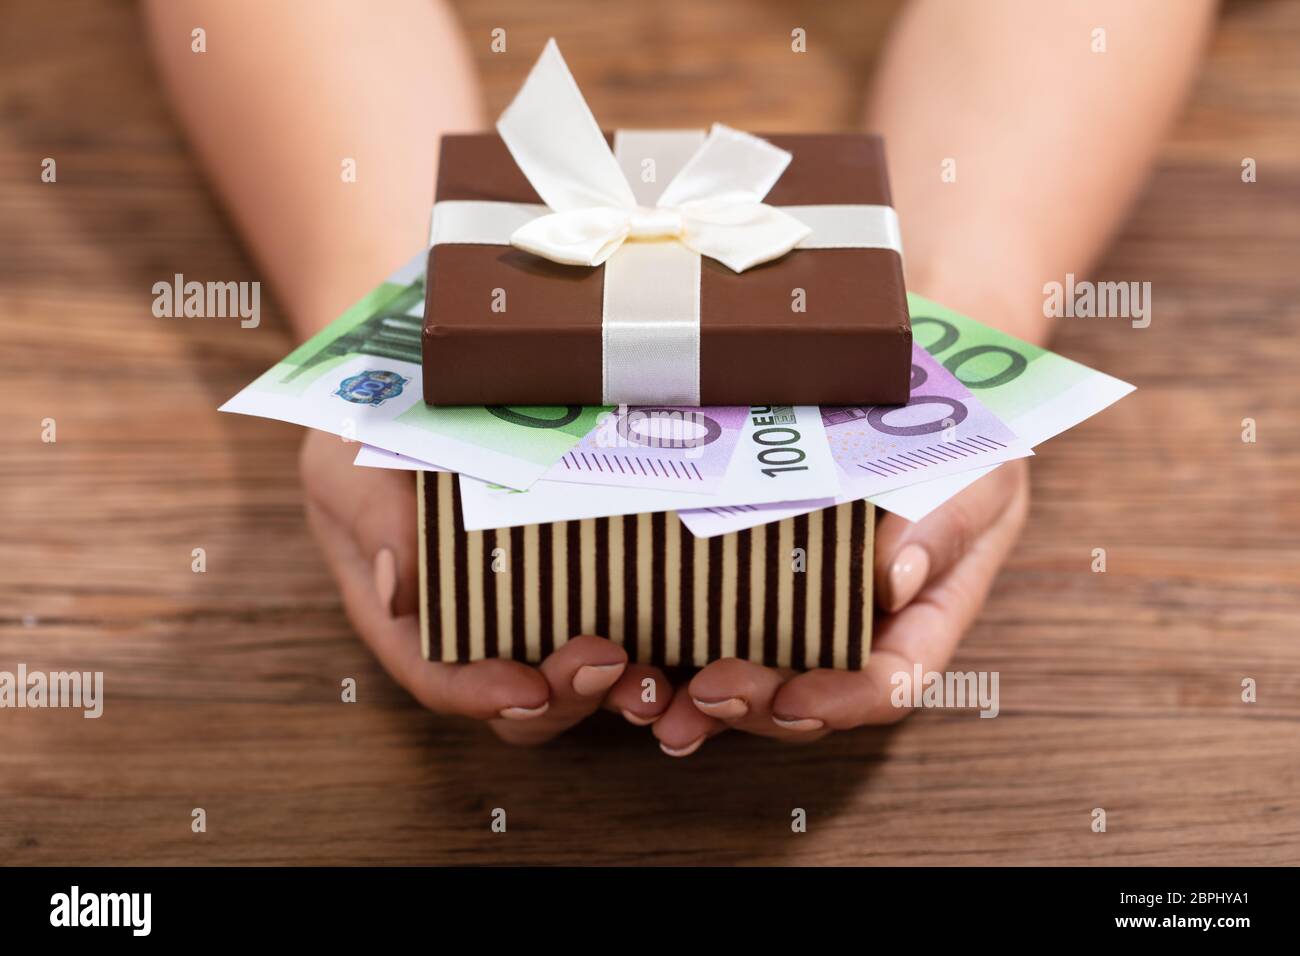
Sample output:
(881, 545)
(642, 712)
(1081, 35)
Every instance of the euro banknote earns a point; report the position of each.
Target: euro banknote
(656, 447)
(781, 452)
(943, 429)
(1038, 393)
(360, 378)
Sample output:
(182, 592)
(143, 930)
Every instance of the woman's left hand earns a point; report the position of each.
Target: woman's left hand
(931, 577)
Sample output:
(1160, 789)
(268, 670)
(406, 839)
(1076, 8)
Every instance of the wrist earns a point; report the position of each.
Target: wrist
(1003, 301)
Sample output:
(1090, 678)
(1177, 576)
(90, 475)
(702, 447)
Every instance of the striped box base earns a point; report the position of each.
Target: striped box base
(796, 593)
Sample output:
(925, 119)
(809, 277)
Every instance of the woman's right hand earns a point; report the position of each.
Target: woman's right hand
(365, 521)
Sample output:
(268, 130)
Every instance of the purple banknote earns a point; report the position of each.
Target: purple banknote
(942, 429)
(644, 446)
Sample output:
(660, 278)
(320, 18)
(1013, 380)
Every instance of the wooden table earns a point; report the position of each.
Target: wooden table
(1119, 690)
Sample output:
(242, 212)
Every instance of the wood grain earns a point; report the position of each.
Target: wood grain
(1119, 690)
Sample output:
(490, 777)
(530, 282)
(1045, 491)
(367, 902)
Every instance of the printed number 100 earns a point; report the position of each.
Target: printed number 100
(778, 454)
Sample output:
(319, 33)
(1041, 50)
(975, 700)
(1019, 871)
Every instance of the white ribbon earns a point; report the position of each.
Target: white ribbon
(600, 210)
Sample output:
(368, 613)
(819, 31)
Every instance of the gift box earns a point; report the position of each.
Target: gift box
(743, 268)
(794, 593)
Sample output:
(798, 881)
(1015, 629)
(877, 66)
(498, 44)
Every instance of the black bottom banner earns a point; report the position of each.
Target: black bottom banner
(332, 906)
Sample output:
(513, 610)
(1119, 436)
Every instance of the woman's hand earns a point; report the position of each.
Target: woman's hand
(365, 521)
(932, 576)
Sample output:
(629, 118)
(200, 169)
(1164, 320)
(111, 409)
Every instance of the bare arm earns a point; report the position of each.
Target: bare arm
(1051, 141)
(286, 92)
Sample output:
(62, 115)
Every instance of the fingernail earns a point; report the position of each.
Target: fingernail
(524, 713)
(593, 678)
(686, 751)
(907, 574)
(730, 708)
(638, 720)
(386, 578)
(802, 723)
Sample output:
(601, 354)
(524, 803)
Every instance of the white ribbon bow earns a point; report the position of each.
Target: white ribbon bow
(713, 206)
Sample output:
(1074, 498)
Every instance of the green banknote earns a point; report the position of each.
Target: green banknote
(1037, 392)
(361, 378)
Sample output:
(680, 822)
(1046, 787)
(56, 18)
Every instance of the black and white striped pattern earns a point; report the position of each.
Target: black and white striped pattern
(644, 581)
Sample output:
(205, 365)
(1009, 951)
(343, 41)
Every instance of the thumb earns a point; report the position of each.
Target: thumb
(377, 509)
(910, 555)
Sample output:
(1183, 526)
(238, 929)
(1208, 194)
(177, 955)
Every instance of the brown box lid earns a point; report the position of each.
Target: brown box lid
(852, 345)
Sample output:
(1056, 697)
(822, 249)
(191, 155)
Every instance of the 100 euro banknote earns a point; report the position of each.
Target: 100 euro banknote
(361, 378)
(781, 453)
(943, 429)
(656, 448)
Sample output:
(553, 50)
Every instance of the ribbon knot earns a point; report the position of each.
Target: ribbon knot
(656, 223)
(714, 205)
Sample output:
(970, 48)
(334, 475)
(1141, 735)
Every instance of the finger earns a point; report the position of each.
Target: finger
(908, 554)
(375, 505)
(740, 693)
(641, 695)
(683, 728)
(579, 674)
(926, 632)
(483, 689)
